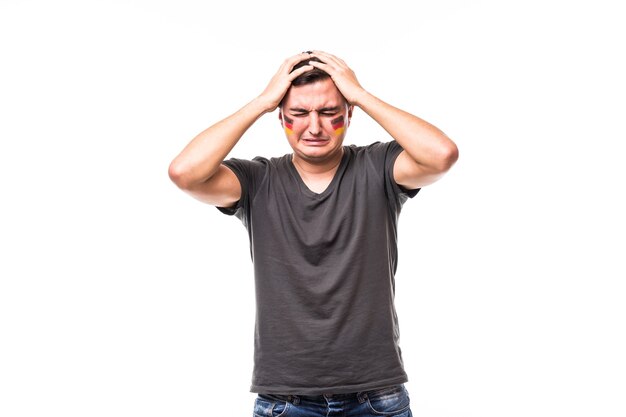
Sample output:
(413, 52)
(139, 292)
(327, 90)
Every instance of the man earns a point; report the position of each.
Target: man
(322, 225)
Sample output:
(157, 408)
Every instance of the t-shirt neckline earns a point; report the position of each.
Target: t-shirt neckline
(305, 189)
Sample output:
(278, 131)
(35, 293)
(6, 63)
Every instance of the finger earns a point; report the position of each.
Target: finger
(293, 60)
(294, 74)
(302, 56)
(322, 55)
(328, 56)
(329, 59)
(326, 67)
(290, 62)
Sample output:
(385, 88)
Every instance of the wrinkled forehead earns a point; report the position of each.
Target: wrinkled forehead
(313, 96)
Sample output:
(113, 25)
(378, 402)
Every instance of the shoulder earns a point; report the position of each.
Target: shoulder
(372, 148)
(254, 172)
(376, 152)
(277, 161)
(256, 163)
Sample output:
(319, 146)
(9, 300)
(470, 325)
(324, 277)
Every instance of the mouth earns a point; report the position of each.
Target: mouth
(314, 141)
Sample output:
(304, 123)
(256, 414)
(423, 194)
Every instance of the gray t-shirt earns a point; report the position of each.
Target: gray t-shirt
(324, 268)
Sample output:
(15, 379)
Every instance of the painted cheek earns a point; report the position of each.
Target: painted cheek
(288, 123)
(338, 125)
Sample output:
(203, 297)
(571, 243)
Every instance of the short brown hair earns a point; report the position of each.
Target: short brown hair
(311, 76)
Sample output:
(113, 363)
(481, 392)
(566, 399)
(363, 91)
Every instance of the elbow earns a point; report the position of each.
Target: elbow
(452, 155)
(448, 155)
(187, 175)
(179, 175)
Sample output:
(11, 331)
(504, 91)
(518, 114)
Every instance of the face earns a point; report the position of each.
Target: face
(315, 117)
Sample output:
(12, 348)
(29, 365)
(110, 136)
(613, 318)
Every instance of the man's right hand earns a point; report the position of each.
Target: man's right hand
(281, 81)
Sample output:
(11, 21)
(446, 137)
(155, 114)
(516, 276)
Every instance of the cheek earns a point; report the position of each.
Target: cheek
(288, 125)
(297, 127)
(338, 125)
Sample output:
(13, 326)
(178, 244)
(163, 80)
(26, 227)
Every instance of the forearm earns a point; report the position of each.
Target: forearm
(423, 142)
(201, 158)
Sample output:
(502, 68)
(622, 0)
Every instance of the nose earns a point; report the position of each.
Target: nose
(315, 127)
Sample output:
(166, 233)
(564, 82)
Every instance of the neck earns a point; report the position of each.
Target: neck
(312, 168)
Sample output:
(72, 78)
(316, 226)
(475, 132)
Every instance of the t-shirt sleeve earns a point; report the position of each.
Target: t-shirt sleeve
(393, 150)
(382, 156)
(249, 173)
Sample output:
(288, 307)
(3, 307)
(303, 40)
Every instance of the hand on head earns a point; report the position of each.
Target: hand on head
(343, 77)
(281, 81)
(297, 65)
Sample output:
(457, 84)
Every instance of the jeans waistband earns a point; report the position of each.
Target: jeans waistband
(360, 396)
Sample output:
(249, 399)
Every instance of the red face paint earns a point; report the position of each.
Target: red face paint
(288, 123)
(338, 125)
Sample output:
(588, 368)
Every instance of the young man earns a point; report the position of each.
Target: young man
(322, 225)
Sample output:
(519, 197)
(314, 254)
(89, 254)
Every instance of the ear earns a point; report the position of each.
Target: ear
(350, 108)
(280, 116)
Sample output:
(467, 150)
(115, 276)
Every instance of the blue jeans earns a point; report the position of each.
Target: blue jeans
(385, 402)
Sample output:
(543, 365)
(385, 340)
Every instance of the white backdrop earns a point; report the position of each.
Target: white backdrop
(122, 296)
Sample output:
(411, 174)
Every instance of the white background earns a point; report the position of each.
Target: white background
(122, 296)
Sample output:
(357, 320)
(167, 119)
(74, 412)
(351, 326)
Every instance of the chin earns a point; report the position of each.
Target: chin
(327, 149)
(313, 156)
(317, 152)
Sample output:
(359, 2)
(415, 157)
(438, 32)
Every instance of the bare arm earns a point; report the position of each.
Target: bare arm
(428, 152)
(198, 169)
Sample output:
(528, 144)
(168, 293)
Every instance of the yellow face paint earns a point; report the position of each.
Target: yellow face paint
(338, 125)
(288, 123)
